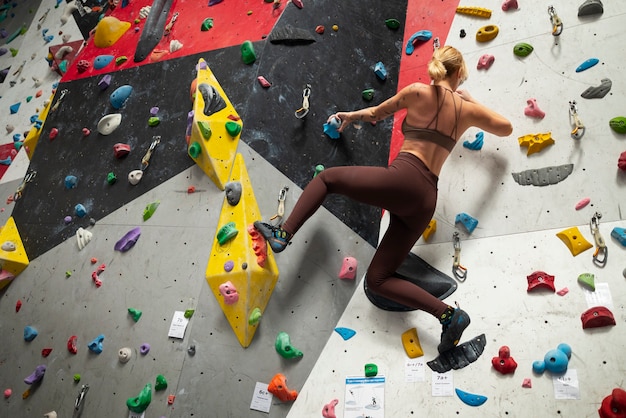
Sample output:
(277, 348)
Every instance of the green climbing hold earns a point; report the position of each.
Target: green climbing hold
(194, 150)
(13, 51)
(233, 128)
(368, 94)
(154, 121)
(392, 23)
(318, 169)
(618, 124)
(206, 24)
(522, 49)
(28, 99)
(189, 313)
(121, 60)
(371, 370)
(205, 129)
(63, 66)
(284, 347)
(150, 209)
(247, 53)
(226, 233)
(76, 378)
(161, 383)
(255, 316)
(135, 314)
(587, 279)
(111, 178)
(141, 402)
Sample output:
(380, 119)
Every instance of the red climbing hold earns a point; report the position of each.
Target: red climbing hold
(18, 305)
(504, 363)
(297, 3)
(121, 150)
(53, 133)
(46, 352)
(614, 405)
(540, 279)
(71, 344)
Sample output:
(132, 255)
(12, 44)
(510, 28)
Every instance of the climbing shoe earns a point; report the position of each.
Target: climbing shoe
(276, 237)
(453, 329)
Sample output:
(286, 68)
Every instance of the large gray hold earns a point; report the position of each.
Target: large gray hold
(543, 176)
(590, 7)
(598, 92)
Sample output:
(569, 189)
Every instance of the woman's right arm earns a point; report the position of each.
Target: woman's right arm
(484, 118)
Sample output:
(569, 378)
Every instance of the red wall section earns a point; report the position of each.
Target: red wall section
(233, 23)
(435, 16)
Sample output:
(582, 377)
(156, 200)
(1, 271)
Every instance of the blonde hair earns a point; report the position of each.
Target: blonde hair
(445, 62)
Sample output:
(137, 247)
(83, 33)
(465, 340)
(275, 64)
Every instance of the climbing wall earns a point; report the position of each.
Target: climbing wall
(164, 273)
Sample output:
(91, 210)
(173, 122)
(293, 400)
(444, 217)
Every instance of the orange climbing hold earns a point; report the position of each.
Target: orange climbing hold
(278, 387)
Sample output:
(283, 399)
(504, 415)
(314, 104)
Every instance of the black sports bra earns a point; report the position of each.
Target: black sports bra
(433, 134)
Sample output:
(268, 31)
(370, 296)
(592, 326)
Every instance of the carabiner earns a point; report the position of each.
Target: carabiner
(436, 44)
(557, 24)
(58, 103)
(169, 26)
(20, 189)
(81, 397)
(282, 194)
(458, 270)
(601, 253)
(579, 128)
(302, 112)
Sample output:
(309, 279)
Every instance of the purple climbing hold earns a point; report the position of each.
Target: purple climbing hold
(229, 265)
(36, 376)
(105, 82)
(128, 241)
(144, 348)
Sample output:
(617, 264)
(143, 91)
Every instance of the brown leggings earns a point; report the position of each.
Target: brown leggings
(407, 189)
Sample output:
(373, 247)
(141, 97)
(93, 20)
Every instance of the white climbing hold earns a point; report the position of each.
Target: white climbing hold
(175, 45)
(109, 123)
(135, 176)
(83, 237)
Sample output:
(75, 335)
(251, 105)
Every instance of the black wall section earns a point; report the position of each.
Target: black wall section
(338, 66)
(40, 213)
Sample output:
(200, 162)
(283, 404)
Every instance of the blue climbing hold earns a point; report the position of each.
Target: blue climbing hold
(380, 71)
(71, 182)
(80, 210)
(467, 221)
(477, 144)
(6, 161)
(587, 64)
(102, 61)
(422, 36)
(96, 344)
(346, 333)
(15, 107)
(29, 333)
(330, 128)
(17, 137)
(120, 95)
(620, 235)
(470, 398)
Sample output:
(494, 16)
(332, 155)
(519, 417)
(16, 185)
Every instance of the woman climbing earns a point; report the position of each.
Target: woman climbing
(437, 115)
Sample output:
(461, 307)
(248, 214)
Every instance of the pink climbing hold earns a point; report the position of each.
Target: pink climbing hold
(329, 409)
(7, 393)
(527, 383)
(563, 291)
(485, 61)
(533, 110)
(348, 268)
(509, 4)
(229, 292)
(297, 3)
(621, 162)
(86, 132)
(584, 202)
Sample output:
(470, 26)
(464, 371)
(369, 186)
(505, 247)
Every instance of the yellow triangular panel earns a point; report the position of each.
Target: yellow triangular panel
(253, 283)
(13, 258)
(30, 142)
(215, 129)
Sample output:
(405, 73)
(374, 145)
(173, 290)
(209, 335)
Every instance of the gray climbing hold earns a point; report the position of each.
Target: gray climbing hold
(290, 35)
(460, 356)
(543, 176)
(590, 7)
(233, 192)
(598, 92)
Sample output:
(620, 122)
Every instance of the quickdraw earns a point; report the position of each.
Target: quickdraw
(304, 110)
(458, 270)
(20, 189)
(169, 26)
(81, 397)
(145, 161)
(600, 255)
(58, 103)
(557, 24)
(579, 128)
(280, 212)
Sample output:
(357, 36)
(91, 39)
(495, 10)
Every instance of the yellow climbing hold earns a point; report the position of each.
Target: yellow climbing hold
(13, 256)
(411, 343)
(474, 11)
(108, 31)
(535, 142)
(487, 33)
(574, 240)
(430, 229)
